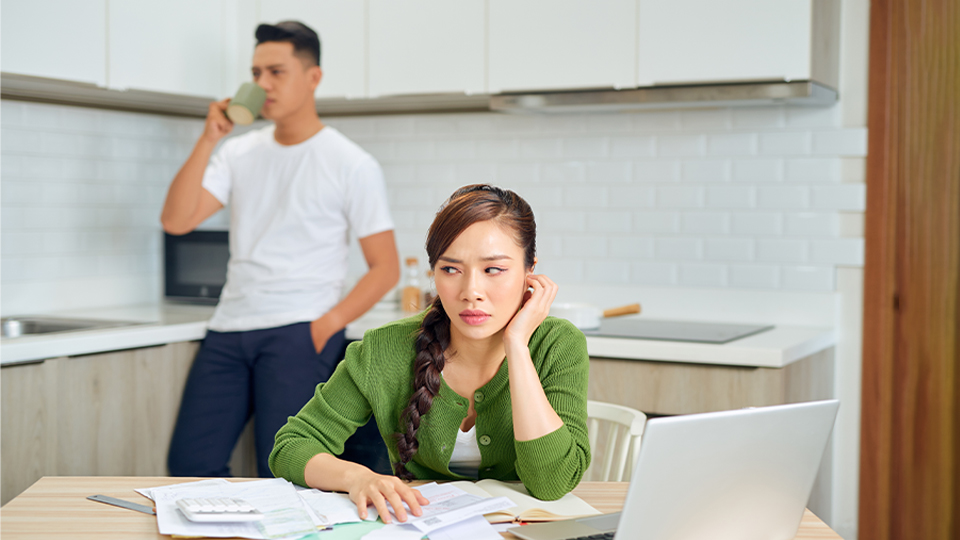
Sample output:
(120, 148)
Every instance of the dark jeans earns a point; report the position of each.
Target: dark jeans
(265, 374)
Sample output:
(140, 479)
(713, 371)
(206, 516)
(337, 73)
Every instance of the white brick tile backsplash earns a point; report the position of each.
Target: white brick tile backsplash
(619, 199)
(402, 150)
(706, 170)
(653, 273)
(730, 197)
(585, 197)
(728, 249)
(585, 246)
(782, 251)
(811, 224)
(839, 251)
(518, 173)
(395, 126)
(607, 123)
(498, 149)
(812, 170)
(476, 173)
(786, 197)
(681, 145)
(706, 120)
(732, 144)
(656, 171)
(607, 272)
(454, 149)
(679, 197)
(843, 142)
(766, 118)
(807, 117)
(631, 197)
(609, 172)
(563, 172)
(785, 143)
(844, 197)
(633, 146)
(556, 221)
(706, 223)
(631, 247)
(435, 173)
(656, 222)
(757, 170)
(757, 223)
(753, 277)
(679, 249)
(610, 221)
(541, 148)
(808, 278)
(703, 275)
(656, 121)
(585, 147)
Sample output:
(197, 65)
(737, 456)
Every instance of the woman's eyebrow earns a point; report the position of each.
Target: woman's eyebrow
(487, 258)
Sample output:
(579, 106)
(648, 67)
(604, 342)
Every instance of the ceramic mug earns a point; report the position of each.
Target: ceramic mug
(246, 105)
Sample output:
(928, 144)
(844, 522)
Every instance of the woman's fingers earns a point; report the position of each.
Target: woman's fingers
(412, 498)
(361, 506)
(381, 505)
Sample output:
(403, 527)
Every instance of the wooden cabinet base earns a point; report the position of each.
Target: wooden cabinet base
(108, 414)
(677, 388)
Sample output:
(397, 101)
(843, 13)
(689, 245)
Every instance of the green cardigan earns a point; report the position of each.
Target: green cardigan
(376, 377)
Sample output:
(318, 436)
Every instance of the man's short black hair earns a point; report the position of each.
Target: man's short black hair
(306, 42)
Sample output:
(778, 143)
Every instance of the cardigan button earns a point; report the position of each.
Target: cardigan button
(484, 440)
(478, 397)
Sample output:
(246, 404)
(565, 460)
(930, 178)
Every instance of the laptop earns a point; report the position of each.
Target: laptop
(733, 475)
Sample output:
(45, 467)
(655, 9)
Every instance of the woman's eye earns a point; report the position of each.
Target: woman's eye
(494, 270)
(448, 270)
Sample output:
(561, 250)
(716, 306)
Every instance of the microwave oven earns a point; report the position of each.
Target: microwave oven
(195, 266)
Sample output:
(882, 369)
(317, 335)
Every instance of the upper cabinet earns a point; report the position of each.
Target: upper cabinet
(427, 47)
(60, 39)
(562, 44)
(699, 41)
(175, 46)
(341, 25)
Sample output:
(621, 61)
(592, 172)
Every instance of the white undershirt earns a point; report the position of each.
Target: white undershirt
(465, 459)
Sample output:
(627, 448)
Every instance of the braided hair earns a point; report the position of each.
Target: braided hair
(468, 205)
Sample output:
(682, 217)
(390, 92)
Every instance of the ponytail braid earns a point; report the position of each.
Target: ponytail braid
(432, 340)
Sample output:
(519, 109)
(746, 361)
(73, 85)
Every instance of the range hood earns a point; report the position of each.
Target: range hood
(29, 88)
(666, 97)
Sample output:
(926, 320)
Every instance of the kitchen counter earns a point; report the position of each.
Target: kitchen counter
(172, 323)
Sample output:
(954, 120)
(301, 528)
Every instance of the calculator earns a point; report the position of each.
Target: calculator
(218, 510)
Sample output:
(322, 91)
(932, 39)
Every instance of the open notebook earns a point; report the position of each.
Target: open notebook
(529, 508)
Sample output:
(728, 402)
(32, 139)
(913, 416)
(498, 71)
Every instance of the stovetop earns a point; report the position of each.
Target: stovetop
(697, 332)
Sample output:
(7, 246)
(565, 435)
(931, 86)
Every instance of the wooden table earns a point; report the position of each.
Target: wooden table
(56, 506)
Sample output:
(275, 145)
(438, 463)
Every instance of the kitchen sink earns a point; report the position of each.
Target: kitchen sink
(30, 325)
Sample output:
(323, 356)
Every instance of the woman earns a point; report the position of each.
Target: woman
(481, 385)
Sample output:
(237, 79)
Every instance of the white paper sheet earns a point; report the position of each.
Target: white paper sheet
(474, 528)
(334, 508)
(285, 514)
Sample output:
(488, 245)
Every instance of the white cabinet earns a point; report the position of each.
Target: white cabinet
(341, 25)
(562, 44)
(175, 46)
(60, 39)
(426, 47)
(688, 41)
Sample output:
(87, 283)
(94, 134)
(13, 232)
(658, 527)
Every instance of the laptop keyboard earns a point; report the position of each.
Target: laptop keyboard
(603, 536)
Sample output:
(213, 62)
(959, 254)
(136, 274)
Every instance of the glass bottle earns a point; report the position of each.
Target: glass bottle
(411, 299)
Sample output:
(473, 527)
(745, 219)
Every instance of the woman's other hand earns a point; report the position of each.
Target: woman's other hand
(533, 310)
(377, 489)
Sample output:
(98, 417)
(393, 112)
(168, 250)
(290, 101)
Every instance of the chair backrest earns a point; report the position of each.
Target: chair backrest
(614, 432)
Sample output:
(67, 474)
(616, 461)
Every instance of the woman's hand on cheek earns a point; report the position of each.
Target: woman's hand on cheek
(533, 310)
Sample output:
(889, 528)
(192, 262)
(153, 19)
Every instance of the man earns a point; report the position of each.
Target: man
(295, 189)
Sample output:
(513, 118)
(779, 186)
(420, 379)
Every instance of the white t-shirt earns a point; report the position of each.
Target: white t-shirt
(292, 209)
(465, 459)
